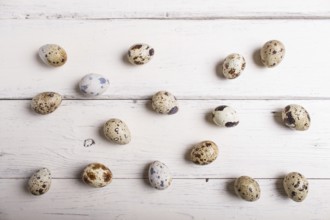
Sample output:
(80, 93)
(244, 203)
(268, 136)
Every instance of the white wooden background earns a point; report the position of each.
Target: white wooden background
(191, 38)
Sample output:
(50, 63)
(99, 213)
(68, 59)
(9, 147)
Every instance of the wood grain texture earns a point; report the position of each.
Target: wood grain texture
(259, 146)
(187, 61)
(185, 199)
(178, 9)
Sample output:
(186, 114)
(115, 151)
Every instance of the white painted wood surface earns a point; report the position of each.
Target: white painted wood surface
(172, 9)
(191, 39)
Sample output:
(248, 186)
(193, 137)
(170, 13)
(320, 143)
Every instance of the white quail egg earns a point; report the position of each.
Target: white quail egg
(159, 175)
(225, 116)
(93, 84)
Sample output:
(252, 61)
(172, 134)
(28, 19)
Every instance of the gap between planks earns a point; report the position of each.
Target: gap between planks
(183, 99)
(206, 18)
(180, 178)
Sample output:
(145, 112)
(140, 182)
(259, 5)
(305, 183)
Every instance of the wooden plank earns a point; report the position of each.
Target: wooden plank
(211, 9)
(260, 145)
(135, 199)
(186, 61)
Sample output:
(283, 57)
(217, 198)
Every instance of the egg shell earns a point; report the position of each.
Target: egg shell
(97, 175)
(204, 153)
(247, 188)
(159, 175)
(46, 102)
(140, 54)
(117, 131)
(296, 186)
(297, 117)
(272, 53)
(225, 116)
(233, 66)
(53, 55)
(164, 102)
(93, 84)
(40, 182)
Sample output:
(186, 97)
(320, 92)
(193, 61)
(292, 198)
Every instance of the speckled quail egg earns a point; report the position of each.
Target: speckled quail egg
(139, 54)
(93, 84)
(159, 175)
(164, 103)
(46, 102)
(296, 186)
(39, 183)
(117, 131)
(204, 153)
(272, 53)
(97, 175)
(247, 188)
(225, 116)
(296, 116)
(53, 55)
(233, 66)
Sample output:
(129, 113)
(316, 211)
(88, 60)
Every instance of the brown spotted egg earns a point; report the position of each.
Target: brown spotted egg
(53, 55)
(233, 66)
(46, 102)
(296, 186)
(164, 102)
(204, 153)
(97, 175)
(139, 54)
(247, 188)
(296, 117)
(117, 131)
(39, 183)
(272, 53)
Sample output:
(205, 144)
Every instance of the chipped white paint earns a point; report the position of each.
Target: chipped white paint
(191, 39)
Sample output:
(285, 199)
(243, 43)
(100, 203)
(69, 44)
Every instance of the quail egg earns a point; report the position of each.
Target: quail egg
(296, 116)
(117, 131)
(247, 188)
(97, 175)
(272, 53)
(46, 102)
(204, 153)
(225, 116)
(39, 183)
(139, 54)
(164, 103)
(296, 186)
(53, 55)
(93, 84)
(233, 66)
(159, 175)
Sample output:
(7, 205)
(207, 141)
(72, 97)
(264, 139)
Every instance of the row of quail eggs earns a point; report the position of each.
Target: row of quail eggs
(98, 175)
(163, 102)
(271, 54)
